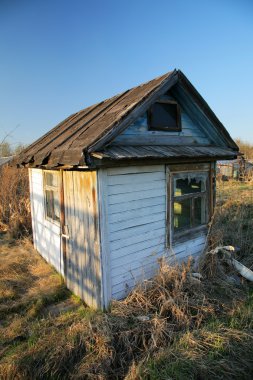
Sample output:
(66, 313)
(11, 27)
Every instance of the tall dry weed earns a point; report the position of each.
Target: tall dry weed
(233, 219)
(15, 213)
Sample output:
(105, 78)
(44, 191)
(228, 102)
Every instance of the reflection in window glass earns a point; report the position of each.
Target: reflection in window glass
(199, 211)
(189, 200)
(184, 186)
(51, 179)
(182, 214)
(52, 201)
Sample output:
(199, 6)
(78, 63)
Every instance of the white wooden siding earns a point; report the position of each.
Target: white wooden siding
(46, 235)
(132, 216)
(138, 133)
(192, 248)
(135, 209)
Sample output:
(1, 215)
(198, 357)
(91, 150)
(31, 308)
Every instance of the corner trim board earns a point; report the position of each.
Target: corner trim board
(106, 288)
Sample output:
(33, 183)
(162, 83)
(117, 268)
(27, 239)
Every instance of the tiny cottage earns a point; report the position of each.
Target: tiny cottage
(124, 182)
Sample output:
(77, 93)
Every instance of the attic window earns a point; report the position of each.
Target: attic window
(165, 115)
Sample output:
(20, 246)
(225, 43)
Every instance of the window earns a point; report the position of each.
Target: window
(52, 196)
(189, 206)
(165, 115)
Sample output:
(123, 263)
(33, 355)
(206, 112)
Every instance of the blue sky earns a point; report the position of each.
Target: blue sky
(58, 56)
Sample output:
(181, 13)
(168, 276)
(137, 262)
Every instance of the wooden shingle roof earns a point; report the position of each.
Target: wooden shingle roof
(65, 143)
(73, 141)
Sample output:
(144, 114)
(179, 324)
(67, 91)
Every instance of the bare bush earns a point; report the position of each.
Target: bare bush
(245, 147)
(15, 213)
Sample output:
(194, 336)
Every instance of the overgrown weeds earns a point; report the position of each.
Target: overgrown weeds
(15, 215)
(47, 333)
(233, 221)
(172, 327)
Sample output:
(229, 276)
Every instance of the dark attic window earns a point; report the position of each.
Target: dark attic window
(165, 116)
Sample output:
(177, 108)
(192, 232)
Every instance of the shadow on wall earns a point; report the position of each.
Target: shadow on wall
(82, 272)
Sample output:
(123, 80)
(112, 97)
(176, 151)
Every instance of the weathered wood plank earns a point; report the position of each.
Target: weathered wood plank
(94, 222)
(131, 214)
(81, 229)
(132, 240)
(136, 248)
(130, 188)
(32, 181)
(136, 278)
(114, 227)
(68, 197)
(118, 198)
(104, 238)
(122, 234)
(136, 140)
(137, 265)
(148, 266)
(133, 205)
(135, 169)
(139, 178)
(83, 245)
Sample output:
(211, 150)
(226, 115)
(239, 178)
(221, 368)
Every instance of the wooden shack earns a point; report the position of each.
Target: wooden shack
(239, 169)
(124, 182)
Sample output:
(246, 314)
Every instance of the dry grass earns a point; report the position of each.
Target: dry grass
(15, 215)
(46, 333)
(233, 221)
(171, 327)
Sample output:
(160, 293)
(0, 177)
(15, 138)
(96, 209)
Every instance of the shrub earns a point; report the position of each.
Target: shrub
(15, 212)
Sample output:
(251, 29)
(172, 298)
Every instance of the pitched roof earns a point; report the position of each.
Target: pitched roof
(92, 128)
(65, 143)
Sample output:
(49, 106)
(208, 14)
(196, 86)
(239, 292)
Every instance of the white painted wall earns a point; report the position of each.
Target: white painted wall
(133, 236)
(135, 209)
(46, 235)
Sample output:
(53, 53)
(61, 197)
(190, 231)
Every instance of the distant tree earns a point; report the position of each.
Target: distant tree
(5, 146)
(18, 149)
(5, 149)
(245, 148)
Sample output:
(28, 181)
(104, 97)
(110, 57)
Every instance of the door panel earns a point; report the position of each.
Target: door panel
(82, 263)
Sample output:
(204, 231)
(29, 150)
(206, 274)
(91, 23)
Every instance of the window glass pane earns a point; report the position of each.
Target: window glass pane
(49, 203)
(56, 206)
(182, 214)
(51, 179)
(199, 211)
(189, 185)
(164, 115)
(52, 205)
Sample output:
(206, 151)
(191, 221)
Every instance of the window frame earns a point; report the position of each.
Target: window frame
(172, 172)
(55, 189)
(178, 128)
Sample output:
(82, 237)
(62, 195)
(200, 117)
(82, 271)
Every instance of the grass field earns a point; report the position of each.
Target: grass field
(191, 330)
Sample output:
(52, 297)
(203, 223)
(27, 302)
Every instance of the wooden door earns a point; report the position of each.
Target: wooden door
(81, 236)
